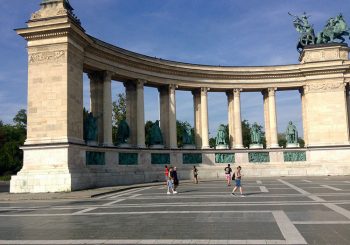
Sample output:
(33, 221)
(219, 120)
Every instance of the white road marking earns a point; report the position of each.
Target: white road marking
(259, 182)
(128, 192)
(308, 181)
(289, 231)
(263, 189)
(336, 222)
(346, 181)
(331, 187)
(144, 241)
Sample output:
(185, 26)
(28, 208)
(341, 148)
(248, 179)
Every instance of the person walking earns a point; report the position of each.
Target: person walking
(170, 182)
(228, 171)
(238, 177)
(166, 172)
(195, 174)
(175, 178)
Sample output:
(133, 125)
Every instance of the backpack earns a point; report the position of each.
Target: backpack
(233, 176)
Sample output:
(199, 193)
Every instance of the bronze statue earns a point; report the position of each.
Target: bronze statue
(221, 136)
(156, 137)
(291, 133)
(255, 134)
(187, 136)
(307, 34)
(90, 128)
(123, 132)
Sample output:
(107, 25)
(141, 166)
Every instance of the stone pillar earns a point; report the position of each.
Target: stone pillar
(164, 113)
(172, 117)
(96, 101)
(347, 96)
(140, 114)
(266, 118)
(272, 118)
(304, 114)
(107, 109)
(204, 118)
(237, 118)
(231, 125)
(131, 111)
(197, 118)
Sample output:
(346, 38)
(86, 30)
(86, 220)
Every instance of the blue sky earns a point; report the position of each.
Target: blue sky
(220, 32)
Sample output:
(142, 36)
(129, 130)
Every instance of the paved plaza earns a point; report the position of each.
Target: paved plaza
(273, 211)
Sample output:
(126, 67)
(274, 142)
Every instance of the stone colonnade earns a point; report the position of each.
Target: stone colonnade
(101, 91)
(56, 155)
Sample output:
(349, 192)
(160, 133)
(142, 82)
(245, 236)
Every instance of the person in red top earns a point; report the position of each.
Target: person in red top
(166, 174)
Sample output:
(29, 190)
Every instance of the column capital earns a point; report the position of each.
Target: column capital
(204, 90)
(237, 91)
(140, 82)
(107, 75)
(173, 87)
(271, 91)
(95, 75)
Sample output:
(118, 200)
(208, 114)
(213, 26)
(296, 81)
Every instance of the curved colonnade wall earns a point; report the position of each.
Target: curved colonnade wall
(56, 157)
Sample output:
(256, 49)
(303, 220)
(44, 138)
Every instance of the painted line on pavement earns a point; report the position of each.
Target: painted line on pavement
(289, 231)
(263, 189)
(259, 182)
(331, 187)
(340, 222)
(143, 241)
(308, 181)
(129, 192)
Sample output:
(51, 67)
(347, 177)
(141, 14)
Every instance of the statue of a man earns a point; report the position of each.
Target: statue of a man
(187, 136)
(90, 128)
(221, 136)
(156, 137)
(123, 132)
(255, 134)
(291, 134)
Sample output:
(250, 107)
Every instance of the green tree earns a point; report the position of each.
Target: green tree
(246, 133)
(181, 126)
(282, 142)
(118, 114)
(20, 119)
(212, 142)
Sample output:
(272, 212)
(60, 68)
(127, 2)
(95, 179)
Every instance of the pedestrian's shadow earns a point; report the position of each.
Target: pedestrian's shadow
(185, 191)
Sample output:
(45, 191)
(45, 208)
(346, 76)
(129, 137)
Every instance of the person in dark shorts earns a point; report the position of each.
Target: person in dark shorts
(195, 174)
(238, 177)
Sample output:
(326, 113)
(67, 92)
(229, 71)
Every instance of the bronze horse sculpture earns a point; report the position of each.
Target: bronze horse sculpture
(335, 28)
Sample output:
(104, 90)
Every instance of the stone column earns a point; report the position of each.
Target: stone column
(231, 125)
(266, 118)
(172, 117)
(140, 114)
(107, 109)
(272, 118)
(197, 118)
(164, 113)
(96, 101)
(347, 99)
(304, 114)
(237, 118)
(131, 111)
(204, 118)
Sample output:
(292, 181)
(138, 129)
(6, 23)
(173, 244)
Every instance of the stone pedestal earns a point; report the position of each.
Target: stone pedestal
(255, 146)
(156, 146)
(124, 145)
(292, 145)
(221, 147)
(187, 146)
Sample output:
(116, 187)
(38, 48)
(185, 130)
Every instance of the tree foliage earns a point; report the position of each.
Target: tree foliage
(118, 114)
(11, 138)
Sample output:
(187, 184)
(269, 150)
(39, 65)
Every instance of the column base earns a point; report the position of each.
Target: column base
(221, 147)
(141, 146)
(239, 147)
(187, 146)
(205, 147)
(292, 145)
(274, 146)
(255, 146)
(156, 146)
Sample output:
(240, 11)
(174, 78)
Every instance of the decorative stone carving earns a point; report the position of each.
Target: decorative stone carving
(54, 8)
(294, 156)
(160, 158)
(128, 158)
(224, 157)
(47, 57)
(95, 158)
(259, 157)
(191, 158)
(324, 86)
